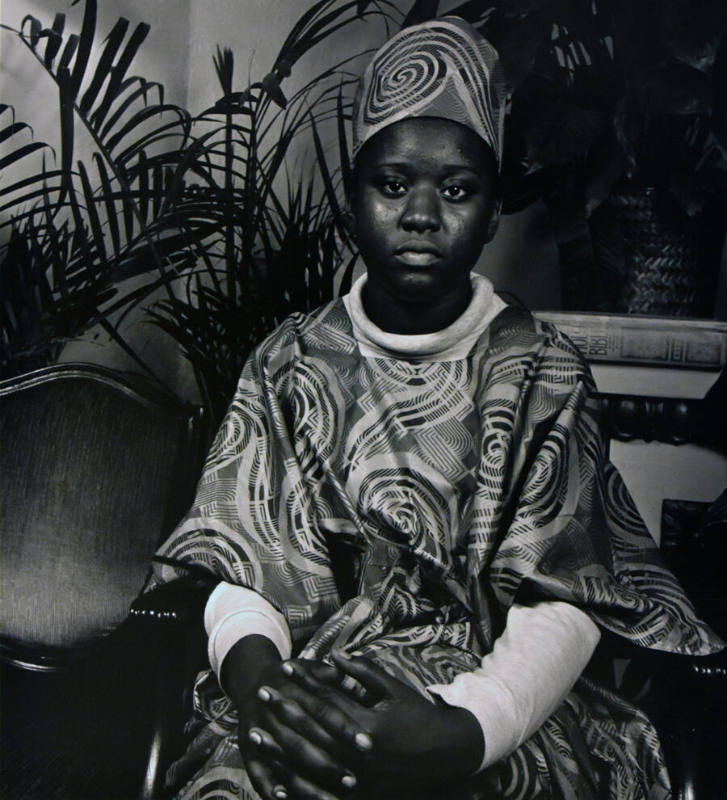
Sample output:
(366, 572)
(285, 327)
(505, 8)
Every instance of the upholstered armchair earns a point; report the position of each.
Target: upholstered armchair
(94, 470)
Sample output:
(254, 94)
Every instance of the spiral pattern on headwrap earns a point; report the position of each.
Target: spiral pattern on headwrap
(442, 68)
(404, 78)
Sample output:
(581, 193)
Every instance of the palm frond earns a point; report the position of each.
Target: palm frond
(200, 208)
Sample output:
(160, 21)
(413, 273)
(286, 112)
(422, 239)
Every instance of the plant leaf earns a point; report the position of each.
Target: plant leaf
(92, 213)
(119, 71)
(107, 196)
(571, 141)
(692, 32)
(55, 39)
(35, 28)
(271, 85)
(12, 129)
(85, 43)
(68, 52)
(520, 47)
(134, 96)
(343, 150)
(224, 62)
(66, 97)
(20, 153)
(104, 67)
(676, 88)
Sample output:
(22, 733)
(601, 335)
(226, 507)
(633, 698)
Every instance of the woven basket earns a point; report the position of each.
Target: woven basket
(647, 257)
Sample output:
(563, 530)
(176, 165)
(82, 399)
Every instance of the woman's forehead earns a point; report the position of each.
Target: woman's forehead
(428, 143)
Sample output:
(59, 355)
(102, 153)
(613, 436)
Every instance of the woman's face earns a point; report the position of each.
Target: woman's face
(423, 201)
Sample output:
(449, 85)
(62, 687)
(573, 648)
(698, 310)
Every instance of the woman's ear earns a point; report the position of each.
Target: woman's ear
(349, 221)
(494, 222)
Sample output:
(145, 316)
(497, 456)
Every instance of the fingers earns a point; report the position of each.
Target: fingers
(263, 776)
(297, 740)
(314, 735)
(314, 672)
(278, 783)
(331, 719)
(317, 676)
(373, 678)
(296, 787)
(297, 715)
(262, 741)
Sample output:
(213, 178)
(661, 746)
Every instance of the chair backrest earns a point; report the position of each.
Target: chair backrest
(666, 449)
(94, 470)
(672, 454)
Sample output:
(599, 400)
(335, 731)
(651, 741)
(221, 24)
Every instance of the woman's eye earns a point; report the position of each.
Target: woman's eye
(393, 188)
(455, 191)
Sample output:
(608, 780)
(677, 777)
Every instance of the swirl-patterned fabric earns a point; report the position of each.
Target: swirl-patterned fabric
(441, 68)
(458, 486)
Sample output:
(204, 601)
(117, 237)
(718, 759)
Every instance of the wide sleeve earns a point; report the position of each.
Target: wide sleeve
(564, 526)
(253, 522)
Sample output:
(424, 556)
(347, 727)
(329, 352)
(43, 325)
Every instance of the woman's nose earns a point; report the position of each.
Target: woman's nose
(422, 211)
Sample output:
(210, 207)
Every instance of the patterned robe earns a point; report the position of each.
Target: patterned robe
(445, 490)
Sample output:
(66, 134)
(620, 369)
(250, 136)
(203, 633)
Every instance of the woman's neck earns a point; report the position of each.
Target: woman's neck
(396, 316)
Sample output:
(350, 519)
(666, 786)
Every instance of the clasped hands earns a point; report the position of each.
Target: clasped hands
(305, 736)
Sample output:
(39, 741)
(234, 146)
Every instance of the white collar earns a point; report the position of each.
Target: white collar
(449, 344)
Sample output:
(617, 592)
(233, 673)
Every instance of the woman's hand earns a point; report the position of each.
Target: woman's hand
(252, 661)
(286, 755)
(302, 728)
(393, 742)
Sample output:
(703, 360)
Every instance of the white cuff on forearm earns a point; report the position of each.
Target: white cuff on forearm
(233, 612)
(532, 667)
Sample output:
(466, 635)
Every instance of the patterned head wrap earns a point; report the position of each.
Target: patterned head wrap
(441, 68)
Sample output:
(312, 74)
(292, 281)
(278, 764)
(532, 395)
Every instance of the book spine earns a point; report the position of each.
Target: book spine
(627, 342)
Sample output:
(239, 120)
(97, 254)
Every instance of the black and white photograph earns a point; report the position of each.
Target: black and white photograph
(363, 399)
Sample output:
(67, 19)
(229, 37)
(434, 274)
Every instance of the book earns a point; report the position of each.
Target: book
(664, 341)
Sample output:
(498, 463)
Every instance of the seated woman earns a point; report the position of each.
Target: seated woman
(416, 533)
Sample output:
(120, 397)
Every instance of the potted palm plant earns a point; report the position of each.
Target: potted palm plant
(76, 232)
(195, 207)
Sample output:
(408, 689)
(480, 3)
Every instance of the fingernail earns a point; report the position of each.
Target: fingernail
(363, 741)
(349, 781)
(280, 793)
(288, 668)
(254, 736)
(264, 694)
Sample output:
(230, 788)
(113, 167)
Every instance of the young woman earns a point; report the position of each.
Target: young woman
(409, 494)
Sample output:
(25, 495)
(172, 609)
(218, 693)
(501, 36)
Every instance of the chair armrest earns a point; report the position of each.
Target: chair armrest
(709, 670)
(181, 601)
(686, 704)
(169, 622)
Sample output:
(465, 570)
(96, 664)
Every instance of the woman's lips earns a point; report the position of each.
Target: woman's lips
(418, 255)
(417, 258)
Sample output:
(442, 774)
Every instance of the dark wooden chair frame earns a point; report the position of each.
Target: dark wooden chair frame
(165, 648)
(687, 695)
